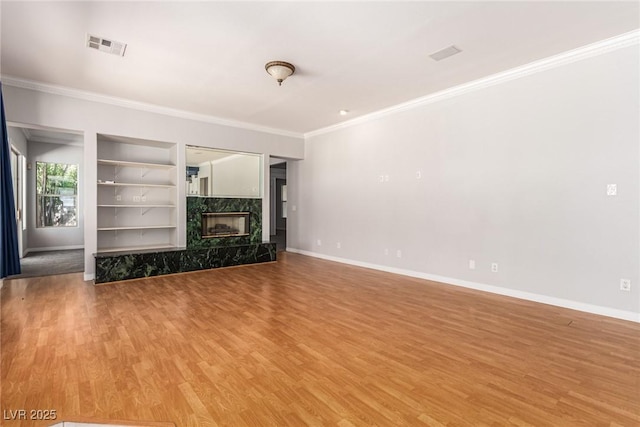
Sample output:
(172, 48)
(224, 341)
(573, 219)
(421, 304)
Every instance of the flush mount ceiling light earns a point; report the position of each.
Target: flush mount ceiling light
(279, 70)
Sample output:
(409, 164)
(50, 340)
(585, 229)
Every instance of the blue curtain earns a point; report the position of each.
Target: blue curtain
(9, 256)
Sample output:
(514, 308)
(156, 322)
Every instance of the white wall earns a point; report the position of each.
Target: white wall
(51, 238)
(52, 108)
(514, 174)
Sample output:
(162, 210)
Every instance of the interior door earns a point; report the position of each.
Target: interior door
(16, 176)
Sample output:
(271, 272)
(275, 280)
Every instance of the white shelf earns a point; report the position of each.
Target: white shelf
(134, 248)
(136, 206)
(132, 184)
(143, 165)
(136, 227)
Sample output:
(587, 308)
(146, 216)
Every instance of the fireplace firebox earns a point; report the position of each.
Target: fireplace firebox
(225, 224)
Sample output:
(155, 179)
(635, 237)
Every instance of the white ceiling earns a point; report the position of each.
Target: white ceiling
(208, 57)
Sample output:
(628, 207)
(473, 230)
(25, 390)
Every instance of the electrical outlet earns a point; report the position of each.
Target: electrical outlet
(418, 174)
(625, 285)
(136, 198)
(294, 208)
(399, 253)
(386, 178)
(472, 264)
(338, 245)
(319, 242)
(612, 189)
(494, 267)
(143, 198)
(118, 198)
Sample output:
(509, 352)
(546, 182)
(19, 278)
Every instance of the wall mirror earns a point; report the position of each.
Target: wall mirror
(219, 173)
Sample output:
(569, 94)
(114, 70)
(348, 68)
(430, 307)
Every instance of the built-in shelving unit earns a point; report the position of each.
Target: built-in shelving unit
(136, 194)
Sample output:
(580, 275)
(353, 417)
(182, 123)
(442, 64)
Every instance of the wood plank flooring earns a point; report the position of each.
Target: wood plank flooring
(309, 342)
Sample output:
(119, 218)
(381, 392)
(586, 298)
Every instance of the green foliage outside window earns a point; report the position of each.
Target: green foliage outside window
(57, 195)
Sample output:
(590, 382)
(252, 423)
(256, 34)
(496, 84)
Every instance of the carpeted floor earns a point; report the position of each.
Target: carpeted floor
(51, 262)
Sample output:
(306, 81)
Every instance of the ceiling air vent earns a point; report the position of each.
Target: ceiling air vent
(104, 45)
(445, 53)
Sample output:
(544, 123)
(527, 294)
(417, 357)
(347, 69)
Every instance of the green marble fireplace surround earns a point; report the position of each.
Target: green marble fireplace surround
(200, 253)
(197, 205)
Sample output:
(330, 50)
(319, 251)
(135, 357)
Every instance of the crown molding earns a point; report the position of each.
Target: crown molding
(578, 54)
(141, 106)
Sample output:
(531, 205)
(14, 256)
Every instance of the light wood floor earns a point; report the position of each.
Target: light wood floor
(310, 342)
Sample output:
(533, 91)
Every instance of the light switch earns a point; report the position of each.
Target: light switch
(612, 189)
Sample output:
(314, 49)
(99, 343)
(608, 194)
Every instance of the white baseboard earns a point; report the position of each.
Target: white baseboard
(544, 299)
(53, 248)
(89, 276)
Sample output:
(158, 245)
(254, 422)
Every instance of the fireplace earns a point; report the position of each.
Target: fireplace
(225, 224)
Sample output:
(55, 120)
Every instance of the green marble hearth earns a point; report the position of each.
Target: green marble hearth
(111, 267)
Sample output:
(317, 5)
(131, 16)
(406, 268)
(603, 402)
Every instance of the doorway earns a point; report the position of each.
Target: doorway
(278, 205)
(204, 186)
(46, 166)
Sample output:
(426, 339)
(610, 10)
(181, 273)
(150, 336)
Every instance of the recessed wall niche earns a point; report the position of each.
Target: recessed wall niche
(218, 173)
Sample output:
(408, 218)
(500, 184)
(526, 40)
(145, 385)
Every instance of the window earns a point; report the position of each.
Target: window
(56, 195)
